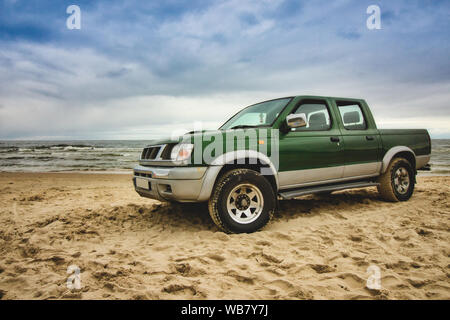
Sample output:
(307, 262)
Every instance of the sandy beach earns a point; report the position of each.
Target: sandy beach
(128, 247)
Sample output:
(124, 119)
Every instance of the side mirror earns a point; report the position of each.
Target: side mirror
(296, 120)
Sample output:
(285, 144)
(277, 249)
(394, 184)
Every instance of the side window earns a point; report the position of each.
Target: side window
(352, 116)
(317, 115)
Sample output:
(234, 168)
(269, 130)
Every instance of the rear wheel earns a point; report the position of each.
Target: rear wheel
(397, 183)
(242, 201)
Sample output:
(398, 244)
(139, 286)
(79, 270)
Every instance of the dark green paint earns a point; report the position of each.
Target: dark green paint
(300, 150)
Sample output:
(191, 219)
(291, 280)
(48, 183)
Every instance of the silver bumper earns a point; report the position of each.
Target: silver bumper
(421, 161)
(183, 184)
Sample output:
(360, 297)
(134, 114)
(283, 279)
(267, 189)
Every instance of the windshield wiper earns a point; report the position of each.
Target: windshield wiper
(243, 126)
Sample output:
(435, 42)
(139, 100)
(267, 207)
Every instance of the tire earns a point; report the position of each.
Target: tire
(242, 201)
(397, 183)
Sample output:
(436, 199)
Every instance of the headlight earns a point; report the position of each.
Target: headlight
(181, 151)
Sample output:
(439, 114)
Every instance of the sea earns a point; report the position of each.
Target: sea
(120, 156)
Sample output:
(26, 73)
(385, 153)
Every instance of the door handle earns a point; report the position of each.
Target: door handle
(369, 138)
(335, 139)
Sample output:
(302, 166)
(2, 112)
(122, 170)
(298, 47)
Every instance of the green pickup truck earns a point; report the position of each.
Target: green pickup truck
(281, 149)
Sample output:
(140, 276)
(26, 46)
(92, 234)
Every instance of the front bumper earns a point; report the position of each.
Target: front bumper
(183, 184)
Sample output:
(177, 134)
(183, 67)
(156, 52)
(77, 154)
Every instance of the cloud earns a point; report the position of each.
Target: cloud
(136, 69)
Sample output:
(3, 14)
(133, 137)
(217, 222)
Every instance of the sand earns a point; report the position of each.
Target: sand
(128, 247)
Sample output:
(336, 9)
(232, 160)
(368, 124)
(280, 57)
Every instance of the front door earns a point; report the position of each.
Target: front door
(314, 153)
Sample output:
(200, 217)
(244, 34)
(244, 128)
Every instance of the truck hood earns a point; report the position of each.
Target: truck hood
(206, 134)
(185, 137)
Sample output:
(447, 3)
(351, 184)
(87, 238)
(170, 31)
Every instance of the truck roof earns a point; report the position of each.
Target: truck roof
(326, 97)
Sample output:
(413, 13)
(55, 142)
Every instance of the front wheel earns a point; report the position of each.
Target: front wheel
(242, 201)
(397, 183)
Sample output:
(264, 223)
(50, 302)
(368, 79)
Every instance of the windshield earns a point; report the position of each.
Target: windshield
(261, 114)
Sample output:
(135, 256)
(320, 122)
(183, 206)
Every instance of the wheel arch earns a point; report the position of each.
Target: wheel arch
(245, 159)
(398, 152)
(272, 178)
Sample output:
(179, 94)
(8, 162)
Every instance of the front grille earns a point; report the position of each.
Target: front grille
(150, 153)
(164, 151)
(165, 155)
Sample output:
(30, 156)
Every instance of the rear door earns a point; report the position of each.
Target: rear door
(361, 139)
(311, 154)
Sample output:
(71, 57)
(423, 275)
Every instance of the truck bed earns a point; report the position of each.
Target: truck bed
(416, 139)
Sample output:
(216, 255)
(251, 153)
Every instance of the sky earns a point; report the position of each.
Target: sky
(142, 69)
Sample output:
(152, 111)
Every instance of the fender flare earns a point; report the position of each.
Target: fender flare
(233, 156)
(390, 155)
(230, 157)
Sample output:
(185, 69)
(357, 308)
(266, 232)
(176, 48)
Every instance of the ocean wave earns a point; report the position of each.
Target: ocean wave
(439, 164)
(443, 146)
(8, 149)
(30, 158)
(446, 172)
(110, 155)
(55, 156)
(13, 158)
(64, 145)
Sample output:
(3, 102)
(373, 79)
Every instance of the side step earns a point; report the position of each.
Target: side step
(309, 190)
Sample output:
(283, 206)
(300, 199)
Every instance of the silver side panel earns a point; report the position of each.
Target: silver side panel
(310, 177)
(299, 177)
(315, 183)
(362, 169)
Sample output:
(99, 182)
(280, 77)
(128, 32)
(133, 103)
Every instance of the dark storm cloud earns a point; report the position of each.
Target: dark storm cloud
(136, 67)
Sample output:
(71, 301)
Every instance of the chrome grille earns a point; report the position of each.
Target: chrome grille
(165, 154)
(150, 153)
(160, 152)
